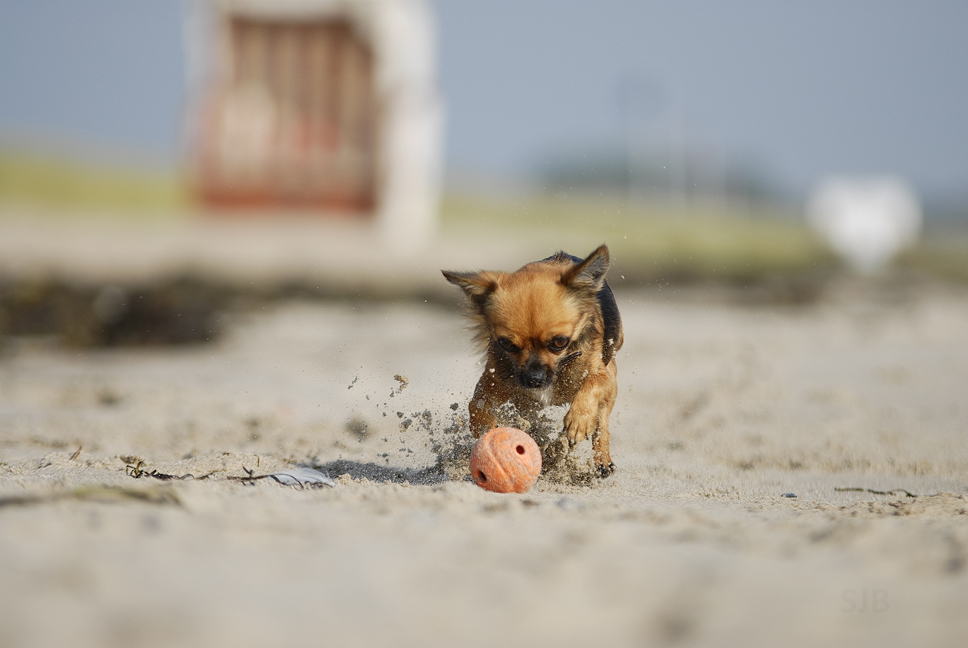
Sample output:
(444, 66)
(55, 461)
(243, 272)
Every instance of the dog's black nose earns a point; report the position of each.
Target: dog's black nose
(534, 377)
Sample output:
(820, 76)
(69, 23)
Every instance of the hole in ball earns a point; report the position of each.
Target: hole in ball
(520, 449)
(481, 477)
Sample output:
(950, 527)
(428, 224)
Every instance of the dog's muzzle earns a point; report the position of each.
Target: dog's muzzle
(535, 376)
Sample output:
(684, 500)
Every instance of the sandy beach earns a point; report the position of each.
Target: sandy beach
(791, 475)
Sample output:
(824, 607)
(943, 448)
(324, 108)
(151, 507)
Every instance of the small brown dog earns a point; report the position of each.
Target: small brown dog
(551, 330)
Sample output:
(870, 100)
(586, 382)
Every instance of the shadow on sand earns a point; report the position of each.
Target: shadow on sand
(377, 473)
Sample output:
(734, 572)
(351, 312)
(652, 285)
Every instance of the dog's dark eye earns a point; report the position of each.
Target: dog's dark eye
(558, 343)
(507, 345)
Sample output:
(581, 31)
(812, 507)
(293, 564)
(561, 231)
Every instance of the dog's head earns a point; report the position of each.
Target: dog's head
(538, 319)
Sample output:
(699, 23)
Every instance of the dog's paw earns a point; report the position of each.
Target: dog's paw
(604, 470)
(578, 427)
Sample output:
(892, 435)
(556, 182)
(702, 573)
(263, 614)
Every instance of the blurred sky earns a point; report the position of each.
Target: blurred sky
(798, 89)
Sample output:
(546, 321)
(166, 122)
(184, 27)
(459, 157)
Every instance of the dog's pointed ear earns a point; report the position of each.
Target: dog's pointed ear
(475, 285)
(589, 274)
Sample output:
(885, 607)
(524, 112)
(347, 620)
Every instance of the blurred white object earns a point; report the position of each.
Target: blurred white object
(866, 221)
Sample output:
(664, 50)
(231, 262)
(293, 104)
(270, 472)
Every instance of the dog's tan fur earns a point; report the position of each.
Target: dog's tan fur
(543, 329)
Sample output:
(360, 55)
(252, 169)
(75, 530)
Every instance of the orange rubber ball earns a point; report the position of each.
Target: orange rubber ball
(506, 460)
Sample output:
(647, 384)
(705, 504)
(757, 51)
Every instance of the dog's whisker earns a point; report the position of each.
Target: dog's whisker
(569, 358)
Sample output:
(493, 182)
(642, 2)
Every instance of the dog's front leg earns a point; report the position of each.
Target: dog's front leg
(481, 418)
(589, 414)
(487, 397)
(601, 439)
